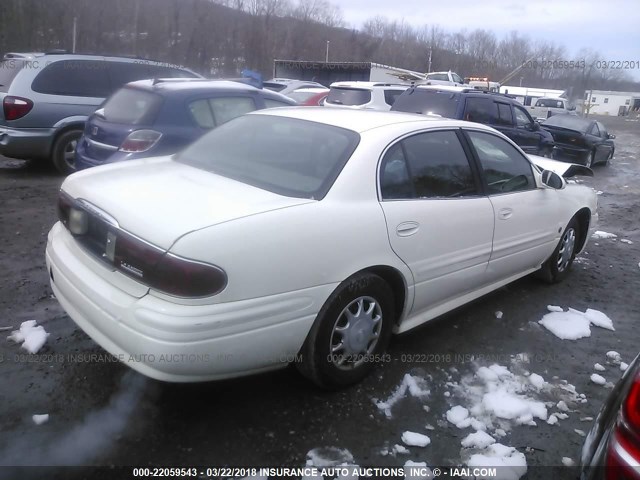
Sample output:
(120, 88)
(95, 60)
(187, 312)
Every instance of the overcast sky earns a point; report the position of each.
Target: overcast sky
(611, 27)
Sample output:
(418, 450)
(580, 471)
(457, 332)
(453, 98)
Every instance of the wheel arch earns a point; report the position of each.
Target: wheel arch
(398, 284)
(583, 216)
(64, 129)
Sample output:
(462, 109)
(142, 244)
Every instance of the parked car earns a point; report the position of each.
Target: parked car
(285, 86)
(46, 99)
(580, 140)
(364, 95)
(308, 231)
(545, 107)
(612, 448)
(309, 97)
(463, 103)
(160, 117)
(444, 78)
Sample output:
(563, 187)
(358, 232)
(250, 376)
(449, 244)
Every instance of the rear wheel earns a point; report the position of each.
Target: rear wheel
(557, 266)
(350, 333)
(63, 154)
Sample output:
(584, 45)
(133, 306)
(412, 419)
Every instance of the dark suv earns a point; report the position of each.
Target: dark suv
(498, 111)
(46, 99)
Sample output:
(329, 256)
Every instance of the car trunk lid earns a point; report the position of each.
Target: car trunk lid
(163, 203)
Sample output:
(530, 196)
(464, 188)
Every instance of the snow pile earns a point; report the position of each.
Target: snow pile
(598, 379)
(40, 419)
(478, 440)
(568, 462)
(599, 368)
(414, 439)
(614, 357)
(601, 234)
(511, 463)
(498, 314)
(573, 324)
(31, 336)
(411, 385)
(627, 241)
(624, 366)
(329, 457)
(459, 416)
(423, 468)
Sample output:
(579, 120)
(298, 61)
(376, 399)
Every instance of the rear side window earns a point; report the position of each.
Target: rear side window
(427, 165)
(417, 100)
(481, 110)
(211, 112)
(132, 106)
(348, 96)
(77, 78)
(505, 117)
(550, 103)
(8, 71)
(390, 96)
(438, 76)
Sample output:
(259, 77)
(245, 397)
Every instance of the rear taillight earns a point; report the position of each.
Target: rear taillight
(166, 272)
(16, 107)
(132, 256)
(623, 452)
(140, 141)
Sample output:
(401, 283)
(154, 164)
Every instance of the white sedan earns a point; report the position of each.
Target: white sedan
(305, 235)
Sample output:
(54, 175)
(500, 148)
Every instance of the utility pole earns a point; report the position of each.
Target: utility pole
(326, 57)
(75, 31)
(430, 53)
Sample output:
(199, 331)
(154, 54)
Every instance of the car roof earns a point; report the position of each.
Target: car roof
(468, 91)
(368, 85)
(362, 120)
(311, 90)
(190, 84)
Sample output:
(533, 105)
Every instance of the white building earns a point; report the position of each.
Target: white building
(607, 102)
(528, 95)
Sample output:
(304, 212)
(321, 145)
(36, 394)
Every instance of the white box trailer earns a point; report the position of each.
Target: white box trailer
(528, 95)
(329, 72)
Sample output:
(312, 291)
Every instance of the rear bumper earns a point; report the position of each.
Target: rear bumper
(180, 343)
(26, 143)
(569, 153)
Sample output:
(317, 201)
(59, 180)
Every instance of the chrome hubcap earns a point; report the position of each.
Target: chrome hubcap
(355, 333)
(70, 153)
(567, 244)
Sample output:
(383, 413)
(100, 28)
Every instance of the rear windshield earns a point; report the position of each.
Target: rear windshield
(132, 106)
(275, 87)
(291, 157)
(8, 71)
(426, 102)
(348, 96)
(572, 122)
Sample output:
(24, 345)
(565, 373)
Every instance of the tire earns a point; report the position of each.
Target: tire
(64, 151)
(608, 161)
(589, 160)
(557, 266)
(340, 351)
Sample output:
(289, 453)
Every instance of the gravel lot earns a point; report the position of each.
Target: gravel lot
(101, 413)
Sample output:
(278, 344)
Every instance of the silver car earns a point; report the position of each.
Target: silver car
(46, 99)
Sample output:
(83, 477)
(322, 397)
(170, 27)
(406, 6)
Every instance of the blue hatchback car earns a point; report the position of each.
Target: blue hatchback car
(160, 117)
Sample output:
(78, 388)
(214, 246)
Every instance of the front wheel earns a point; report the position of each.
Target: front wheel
(589, 160)
(350, 333)
(557, 266)
(63, 154)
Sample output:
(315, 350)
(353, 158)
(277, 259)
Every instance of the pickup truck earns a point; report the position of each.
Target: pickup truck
(547, 106)
(444, 78)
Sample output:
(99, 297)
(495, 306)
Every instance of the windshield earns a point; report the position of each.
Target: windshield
(287, 156)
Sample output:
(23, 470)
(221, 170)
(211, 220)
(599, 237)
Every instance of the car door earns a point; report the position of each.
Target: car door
(526, 134)
(505, 123)
(527, 224)
(439, 222)
(605, 145)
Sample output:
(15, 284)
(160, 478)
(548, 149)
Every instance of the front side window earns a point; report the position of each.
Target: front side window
(595, 130)
(481, 110)
(427, 165)
(602, 129)
(522, 119)
(505, 168)
(505, 117)
(457, 78)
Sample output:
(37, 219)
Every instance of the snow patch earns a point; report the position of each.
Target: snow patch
(423, 469)
(31, 336)
(627, 241)
(512, 463)
(498, 314)
(599, 368)
(573, 324)
(414, 439)
(568, 462)
(459, 416)
(329, 457)
(598, 379)
(478, 440)
(410, 385)
(601, 234)
(40, 419)
(624, 366)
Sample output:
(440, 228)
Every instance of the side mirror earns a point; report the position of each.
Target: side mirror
(611, 136)
(535, 126)
(552, 179)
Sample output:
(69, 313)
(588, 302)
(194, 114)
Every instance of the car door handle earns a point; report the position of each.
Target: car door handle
(406, 229)
(505, 213)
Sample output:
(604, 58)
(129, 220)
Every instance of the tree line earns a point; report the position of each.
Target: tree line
(220, 38)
